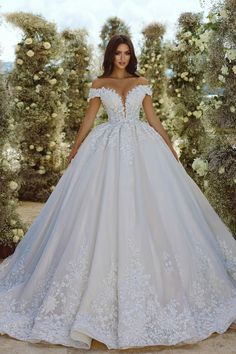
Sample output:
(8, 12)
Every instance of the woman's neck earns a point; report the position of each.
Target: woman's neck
(120, 74)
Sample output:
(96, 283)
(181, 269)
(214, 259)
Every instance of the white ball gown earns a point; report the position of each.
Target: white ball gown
(127, 249)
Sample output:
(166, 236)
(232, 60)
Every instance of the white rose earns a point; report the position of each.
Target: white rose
(20, 104)
(15, 239)
(53, 81)
(54, 115)
(41, 172)
(28, 41)
(221, 78)
(223, 13)
(225, 70)
(52, 144)
(232, 109)
(12, 222)
(13, 185)
(19, 88)
(197, 114)
(231, 54)
(19, 61)
(60, 71)
(30, 53)
(37, 88)
(46, 45)
(221, 169)
(39, 148)
(200, 166)
(36, 77)
(20, 232)
(185, 119)
(234, 69)
(31, 147)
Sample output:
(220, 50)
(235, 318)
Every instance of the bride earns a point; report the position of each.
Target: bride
(127, 250)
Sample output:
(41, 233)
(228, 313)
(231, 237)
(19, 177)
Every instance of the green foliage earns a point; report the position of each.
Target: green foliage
(152, 63)
(76, 56)
(112, 26)
(37, 85)
(186, 58)
(220, 112)
(12, 229)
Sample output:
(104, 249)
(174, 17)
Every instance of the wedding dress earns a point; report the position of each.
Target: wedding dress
(126, 250)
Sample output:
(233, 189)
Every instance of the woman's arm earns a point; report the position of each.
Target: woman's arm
(86, 125)
(155, 122)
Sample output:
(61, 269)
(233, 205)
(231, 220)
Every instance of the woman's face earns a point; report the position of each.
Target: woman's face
(122, 56)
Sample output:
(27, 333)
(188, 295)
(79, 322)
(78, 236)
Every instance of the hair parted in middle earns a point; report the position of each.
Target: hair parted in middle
(109, 55)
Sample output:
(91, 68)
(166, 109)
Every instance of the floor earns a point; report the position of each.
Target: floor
(216, 344)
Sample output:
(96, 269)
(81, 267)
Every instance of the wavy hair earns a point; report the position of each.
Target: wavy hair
(109, 55)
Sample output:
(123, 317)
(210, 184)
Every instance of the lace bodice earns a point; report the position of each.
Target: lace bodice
(117, 110)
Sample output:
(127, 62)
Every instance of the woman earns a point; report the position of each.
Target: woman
(127, 250)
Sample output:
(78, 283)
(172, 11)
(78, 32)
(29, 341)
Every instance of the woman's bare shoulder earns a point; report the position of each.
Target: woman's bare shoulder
(97, 83)
(143, 81)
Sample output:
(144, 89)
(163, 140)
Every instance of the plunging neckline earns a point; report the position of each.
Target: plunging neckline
(123, 102)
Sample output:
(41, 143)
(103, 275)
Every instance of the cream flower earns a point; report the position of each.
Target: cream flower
(234, 69)
(17, 48)
(232, 109)
(60, 71)
(46, 45)
(30, 53)
(221, 78)
(28, 41)
(197, 114)
(225, 70)
(12, 222)
(15, 239)
(36, 77)
(13, 185)
(19, 61)
(200, 166)
(223, 13)
(53, 81)
(52, 144)
(221, 169)
(231, 54)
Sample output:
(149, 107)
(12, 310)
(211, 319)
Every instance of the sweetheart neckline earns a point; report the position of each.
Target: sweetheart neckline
(123, 103)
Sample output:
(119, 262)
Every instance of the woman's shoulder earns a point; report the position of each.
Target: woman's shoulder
(143, 81)
(96, 83)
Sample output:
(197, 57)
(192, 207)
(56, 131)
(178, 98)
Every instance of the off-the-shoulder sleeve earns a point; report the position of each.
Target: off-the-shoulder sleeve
(93, 92)
(147, 89)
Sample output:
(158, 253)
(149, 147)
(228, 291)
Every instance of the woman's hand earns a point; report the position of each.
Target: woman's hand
(72, 155)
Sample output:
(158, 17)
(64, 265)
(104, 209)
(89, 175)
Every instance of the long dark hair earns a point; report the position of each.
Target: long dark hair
(110, 54)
